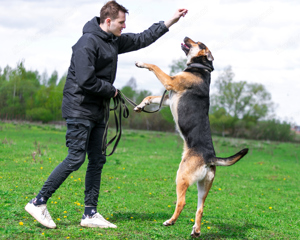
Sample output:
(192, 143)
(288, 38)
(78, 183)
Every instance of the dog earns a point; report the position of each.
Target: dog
(189, 102)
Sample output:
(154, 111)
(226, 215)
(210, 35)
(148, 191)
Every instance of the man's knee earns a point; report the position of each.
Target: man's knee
(74, 161)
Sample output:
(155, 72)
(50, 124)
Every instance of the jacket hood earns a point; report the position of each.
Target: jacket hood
(93, 27)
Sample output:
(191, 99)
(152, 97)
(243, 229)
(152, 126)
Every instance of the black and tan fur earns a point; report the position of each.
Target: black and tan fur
(189, 103)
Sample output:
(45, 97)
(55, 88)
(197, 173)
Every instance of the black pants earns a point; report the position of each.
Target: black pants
(83, 136)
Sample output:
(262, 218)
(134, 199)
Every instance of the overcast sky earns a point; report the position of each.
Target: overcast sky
(258, 38)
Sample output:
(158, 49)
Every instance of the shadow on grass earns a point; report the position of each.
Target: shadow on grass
(141, 216)
(230, 231)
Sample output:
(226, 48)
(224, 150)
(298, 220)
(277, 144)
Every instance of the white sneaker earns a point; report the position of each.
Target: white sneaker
(96, 221)
(41, 214)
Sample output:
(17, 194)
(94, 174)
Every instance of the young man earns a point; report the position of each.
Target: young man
(87, 92)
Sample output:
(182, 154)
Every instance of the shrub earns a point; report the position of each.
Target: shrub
(39, 114)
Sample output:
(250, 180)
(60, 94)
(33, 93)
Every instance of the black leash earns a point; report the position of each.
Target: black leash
(120, 105)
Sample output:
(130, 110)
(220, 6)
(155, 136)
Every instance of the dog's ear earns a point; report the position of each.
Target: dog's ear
(209, 55)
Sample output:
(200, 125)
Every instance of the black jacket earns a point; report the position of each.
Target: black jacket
(93, 67)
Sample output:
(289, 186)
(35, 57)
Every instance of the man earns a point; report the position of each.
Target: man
(87, 92)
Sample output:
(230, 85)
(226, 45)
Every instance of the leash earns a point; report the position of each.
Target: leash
(119, 108)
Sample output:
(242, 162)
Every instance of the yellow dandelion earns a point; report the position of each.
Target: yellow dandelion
(192, 220)
(55, 202)
(123, 168)
(43, 233)
(80, 229)
(131, 217)
(41, 167)
(154, 220)
(165, 179)
(67, 237)
(119, 187)
(208, 228)
(220, 189)
(79, 179)
(278, 189)
(270, 207)
(65, 211)
(78, 204)
(71, 176)
(107, 218)
(284, 179)
(34, 220)
(51, 201)
(169, 205)
(58, 219)
(58, 197)
(111, 214)
(202, 223)
(150, 193)
(65, 216)
(21, 223)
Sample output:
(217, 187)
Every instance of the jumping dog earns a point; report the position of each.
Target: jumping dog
(189, 102)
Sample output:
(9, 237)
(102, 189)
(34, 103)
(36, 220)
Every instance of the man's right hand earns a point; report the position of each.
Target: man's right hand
(116, 93)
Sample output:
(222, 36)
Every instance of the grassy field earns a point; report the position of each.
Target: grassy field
(257, 198)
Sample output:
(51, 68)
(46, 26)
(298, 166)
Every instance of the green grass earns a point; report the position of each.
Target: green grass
(138, 188)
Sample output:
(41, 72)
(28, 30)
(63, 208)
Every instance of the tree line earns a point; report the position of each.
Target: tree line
(238, 108)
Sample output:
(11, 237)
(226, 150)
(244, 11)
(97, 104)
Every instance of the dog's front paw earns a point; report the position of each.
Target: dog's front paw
(137, 109)
(168, 223)
(140, 64)
(195, 234)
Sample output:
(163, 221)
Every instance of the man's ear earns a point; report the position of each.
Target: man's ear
(108, 21)
(209, 55)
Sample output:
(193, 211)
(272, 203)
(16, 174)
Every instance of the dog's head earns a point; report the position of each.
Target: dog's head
(196, 52)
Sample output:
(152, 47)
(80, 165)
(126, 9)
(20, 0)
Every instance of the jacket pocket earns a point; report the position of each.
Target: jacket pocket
(77, 134)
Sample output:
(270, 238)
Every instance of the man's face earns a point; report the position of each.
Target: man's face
(116, 26)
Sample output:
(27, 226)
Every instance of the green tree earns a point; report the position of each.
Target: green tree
(241, 99)
(177, 66)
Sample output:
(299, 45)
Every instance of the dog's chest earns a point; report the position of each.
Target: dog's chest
(174, 100)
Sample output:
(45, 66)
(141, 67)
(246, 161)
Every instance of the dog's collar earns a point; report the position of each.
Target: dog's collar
(198, 65)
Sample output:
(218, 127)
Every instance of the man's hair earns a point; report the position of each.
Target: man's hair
(111, 10)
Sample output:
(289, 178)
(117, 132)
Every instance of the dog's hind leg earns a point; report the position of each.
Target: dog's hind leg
(181, 188)
(203, 189)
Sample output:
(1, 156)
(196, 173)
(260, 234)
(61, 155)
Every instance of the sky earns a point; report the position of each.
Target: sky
(259, 39)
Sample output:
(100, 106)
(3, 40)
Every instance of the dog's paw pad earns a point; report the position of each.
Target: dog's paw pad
(139, 64)
(137, 109)
(195, 234)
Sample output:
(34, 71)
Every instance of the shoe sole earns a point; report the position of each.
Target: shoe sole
(94, 225)
(29, 209)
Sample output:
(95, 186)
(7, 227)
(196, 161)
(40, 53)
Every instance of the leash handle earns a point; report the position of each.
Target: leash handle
(119, 103)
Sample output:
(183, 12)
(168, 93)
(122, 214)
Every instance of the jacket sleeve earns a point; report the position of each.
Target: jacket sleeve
(131, 42)
(85, 58)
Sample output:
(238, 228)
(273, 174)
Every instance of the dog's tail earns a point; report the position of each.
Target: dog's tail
(216, 161)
